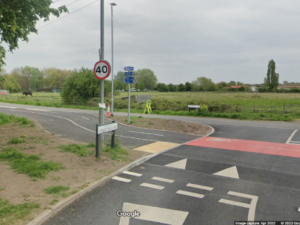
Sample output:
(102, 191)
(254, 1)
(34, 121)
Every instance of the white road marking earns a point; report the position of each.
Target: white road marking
(162, 179)
(251, 206)
(145, 133)
(85, 118)
(134, 138)
(152, 186)
(181, 164)
(44, 110)
(199, 186)
(229, 172)
(133, 174)
(153, 214)
(191, 194)
(8, 107)
(290, 138)
(121, 179)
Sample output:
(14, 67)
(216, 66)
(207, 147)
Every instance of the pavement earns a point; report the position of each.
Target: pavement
(244, 171)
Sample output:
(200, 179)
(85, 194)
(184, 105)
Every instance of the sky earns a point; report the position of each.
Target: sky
(179, 40)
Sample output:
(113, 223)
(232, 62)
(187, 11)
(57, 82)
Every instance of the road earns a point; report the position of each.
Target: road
(245, 171)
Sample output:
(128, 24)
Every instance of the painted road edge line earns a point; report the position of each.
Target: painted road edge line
(200, 187)
(145, 133)
(191, 194)
(158, 187)
(290, 138)
(133, 174)
(121, 179)
(163, 179)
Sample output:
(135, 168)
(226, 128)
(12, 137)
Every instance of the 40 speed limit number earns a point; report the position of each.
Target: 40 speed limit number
(102, 69)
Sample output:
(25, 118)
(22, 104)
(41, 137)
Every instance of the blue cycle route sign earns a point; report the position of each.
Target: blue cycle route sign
(128, 74)
(129, 68)
(128, 80)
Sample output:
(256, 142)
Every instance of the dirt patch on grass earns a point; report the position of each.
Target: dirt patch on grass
(79, 171)
(162, 124)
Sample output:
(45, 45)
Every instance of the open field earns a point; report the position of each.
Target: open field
(237, 105)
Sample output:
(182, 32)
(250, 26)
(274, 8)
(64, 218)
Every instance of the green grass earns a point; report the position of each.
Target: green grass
(16, 141)
(1, 189)
(30, 165)
(10, 213)
(117, 153)
(81, 150)
(5, 119)
(56, 189)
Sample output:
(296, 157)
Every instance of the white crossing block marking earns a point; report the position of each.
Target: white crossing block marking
(251, 206)
(121, 179)
(191, 194)
(229, 172)
(153, 214)
(199, 186)
(162, 179)
(181, 164)
(133, 174)
(152, 186)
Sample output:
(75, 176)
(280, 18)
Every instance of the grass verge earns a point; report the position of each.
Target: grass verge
(9, 213)
(80, 150)
(30, 165)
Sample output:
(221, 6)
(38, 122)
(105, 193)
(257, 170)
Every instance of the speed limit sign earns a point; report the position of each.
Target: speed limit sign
(102, 69)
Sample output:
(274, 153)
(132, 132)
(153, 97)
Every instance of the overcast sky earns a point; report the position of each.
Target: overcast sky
(179, 40)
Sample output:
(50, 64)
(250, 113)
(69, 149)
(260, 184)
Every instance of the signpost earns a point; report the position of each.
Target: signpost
(104, 129)
(102, 69)
(129, 80)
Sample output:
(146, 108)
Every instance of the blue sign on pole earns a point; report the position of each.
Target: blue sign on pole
(129, 68)
(128, 80)
(128, 73)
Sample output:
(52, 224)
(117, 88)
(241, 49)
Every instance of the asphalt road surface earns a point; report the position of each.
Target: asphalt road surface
(245, 171)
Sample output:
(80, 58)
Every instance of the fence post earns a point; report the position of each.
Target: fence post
(113, 137)
(283, 107)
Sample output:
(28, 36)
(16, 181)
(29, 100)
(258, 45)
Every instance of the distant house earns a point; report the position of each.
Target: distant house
(254, 89)
(4, 92)
(235, 87)
(287, 87)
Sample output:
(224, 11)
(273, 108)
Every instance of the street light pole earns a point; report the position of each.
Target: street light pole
(112, 59)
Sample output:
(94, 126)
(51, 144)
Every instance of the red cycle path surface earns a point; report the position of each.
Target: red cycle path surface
(248, 146)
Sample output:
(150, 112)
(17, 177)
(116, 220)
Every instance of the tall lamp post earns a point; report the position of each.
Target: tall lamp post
(112, 59)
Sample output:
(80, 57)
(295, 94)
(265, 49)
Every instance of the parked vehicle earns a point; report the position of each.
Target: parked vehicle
(132, 89)
(146, 90)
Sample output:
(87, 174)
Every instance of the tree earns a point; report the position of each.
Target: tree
(285, 83)
(231, 83)
(148, 77)
(161, 87)
(172, 88)
(18, 19)
(141, 85)
(55, 78)
(81, 86)
(119, 80)
(272, 79)
(203, 84)
(221, 85)
(188, 86)
(181, 87)
(36, 78)
(2, 78)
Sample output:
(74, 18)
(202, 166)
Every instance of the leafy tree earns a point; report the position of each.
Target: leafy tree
(18, 19)
(231, 83)
(55, 78)
(10, 84)
(181, 87)
(148, 77)
(2, 78)
(285, 83)
(272, 79)
(119, 81)
(203, 84)
(141, 85)
(81, 86)
(161, 87)
(172, 88)
(239, 83)
(221, 85)
(188, 86)
(36, 78)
